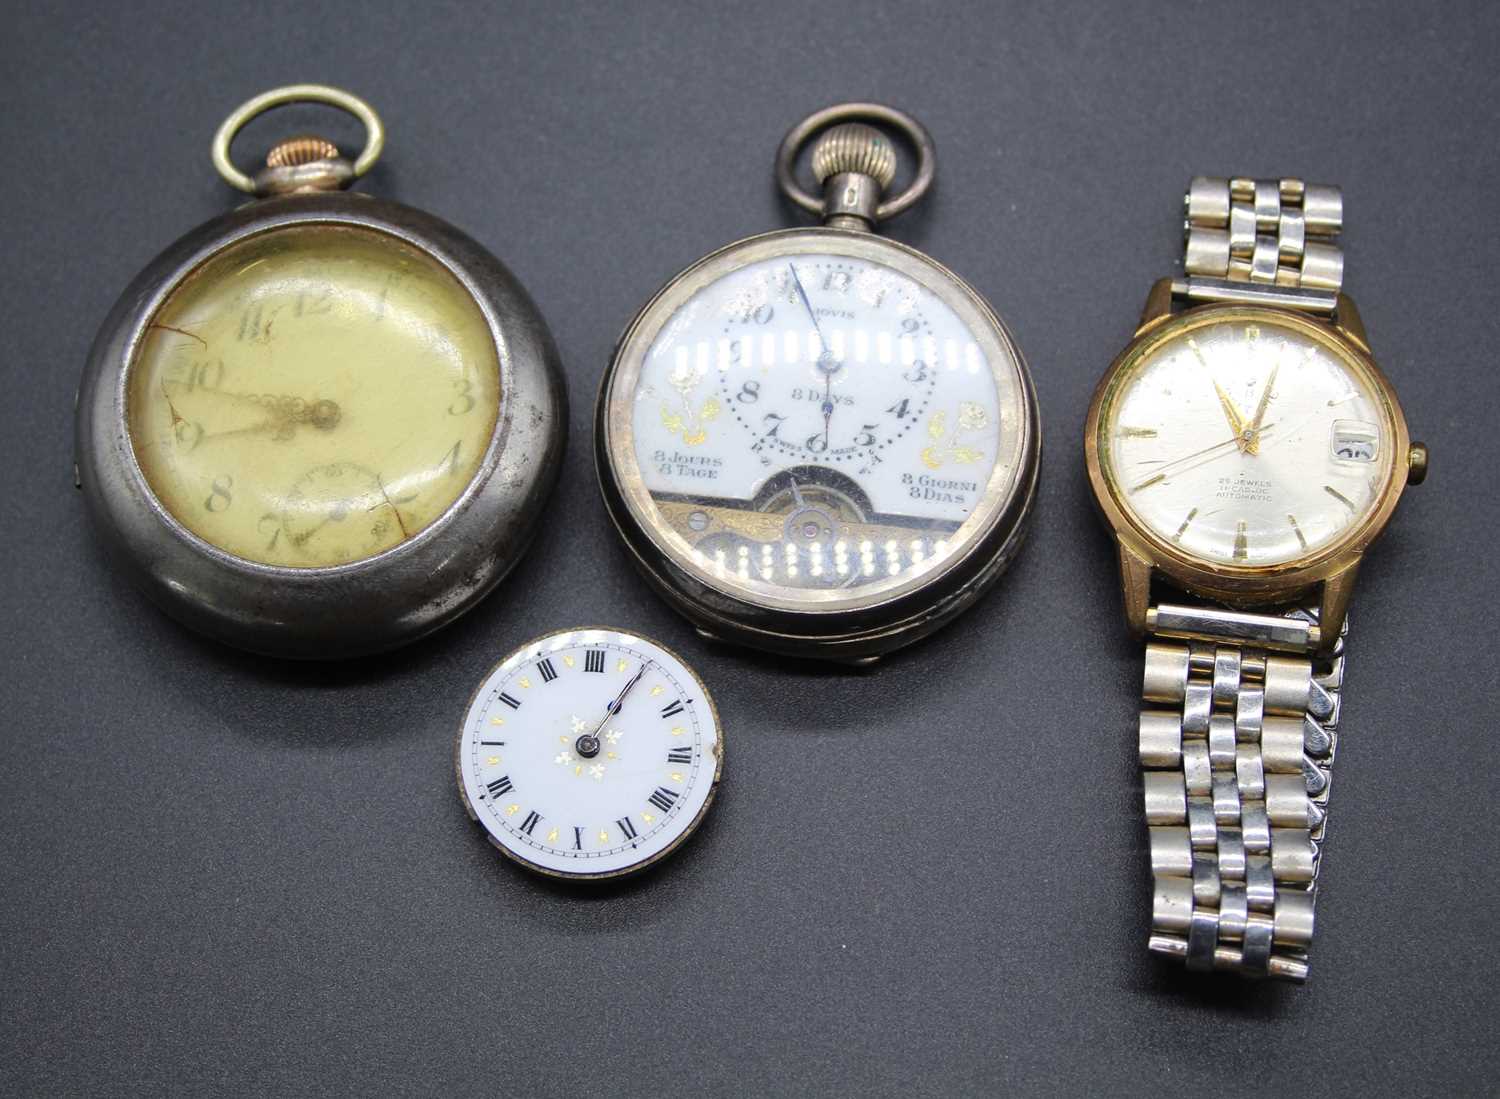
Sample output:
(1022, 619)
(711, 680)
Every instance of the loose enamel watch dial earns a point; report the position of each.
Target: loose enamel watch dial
(589, 754)
(1246, 441)
(820, 441)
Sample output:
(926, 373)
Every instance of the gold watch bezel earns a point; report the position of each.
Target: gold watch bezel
(1144, 553)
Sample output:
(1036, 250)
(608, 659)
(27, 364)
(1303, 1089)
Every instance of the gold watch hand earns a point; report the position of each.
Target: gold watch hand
(1253, 429)
(1232, 414)
(1208, 452)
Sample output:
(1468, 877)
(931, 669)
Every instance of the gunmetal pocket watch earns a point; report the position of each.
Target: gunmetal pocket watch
(818, 441)
(323, 424)
(589, 753)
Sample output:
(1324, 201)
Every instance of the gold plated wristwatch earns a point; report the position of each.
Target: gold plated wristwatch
(1245, 450)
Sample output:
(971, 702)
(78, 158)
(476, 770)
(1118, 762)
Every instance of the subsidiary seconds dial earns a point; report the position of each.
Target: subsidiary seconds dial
(589, 754)
(814, 323)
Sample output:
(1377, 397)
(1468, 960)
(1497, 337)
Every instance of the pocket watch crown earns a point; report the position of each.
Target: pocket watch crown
(304, 149)
(854, 147)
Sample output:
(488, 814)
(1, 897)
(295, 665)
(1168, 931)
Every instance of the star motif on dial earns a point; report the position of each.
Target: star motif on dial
(545, 803)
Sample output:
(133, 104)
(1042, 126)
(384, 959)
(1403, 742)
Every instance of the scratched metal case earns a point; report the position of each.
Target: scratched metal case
(366, 605)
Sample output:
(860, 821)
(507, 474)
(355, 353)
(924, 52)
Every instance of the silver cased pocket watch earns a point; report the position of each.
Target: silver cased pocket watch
(589, 753)
(821, 442)
(323, 424)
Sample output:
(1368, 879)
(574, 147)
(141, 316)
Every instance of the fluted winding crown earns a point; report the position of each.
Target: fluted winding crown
(854, 147)
(300, 150)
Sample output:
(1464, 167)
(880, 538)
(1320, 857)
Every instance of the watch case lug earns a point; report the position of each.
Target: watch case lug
(1349, 323)
(1333, 602)
(1135, 588)
(1158, 306)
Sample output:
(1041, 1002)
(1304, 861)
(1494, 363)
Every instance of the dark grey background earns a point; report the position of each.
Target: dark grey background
(226, 874)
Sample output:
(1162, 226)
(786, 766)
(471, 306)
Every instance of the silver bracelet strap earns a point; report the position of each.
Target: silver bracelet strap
(1263, 240)
(1237, 740)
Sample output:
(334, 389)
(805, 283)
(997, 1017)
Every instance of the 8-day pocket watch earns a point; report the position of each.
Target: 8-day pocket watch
(819, 441)
(323, 424)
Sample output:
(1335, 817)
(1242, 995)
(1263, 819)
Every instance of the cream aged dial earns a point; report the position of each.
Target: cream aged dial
(312, 396)
(1245, 441)
(589, 753)
(819, 441)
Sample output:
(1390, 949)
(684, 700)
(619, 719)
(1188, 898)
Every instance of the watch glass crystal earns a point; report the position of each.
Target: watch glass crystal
(1245, 439)
(313, 395)
(816, 425)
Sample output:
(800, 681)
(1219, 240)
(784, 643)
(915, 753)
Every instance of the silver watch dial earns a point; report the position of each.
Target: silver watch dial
(1246, 440)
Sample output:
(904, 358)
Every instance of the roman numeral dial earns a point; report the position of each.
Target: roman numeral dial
(589, 753)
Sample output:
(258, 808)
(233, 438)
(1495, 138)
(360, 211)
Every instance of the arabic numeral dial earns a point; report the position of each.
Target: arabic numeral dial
(822, 358)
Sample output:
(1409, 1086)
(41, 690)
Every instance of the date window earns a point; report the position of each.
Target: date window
(1355, 441)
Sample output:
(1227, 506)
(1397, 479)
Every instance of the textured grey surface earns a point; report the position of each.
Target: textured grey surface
(224, 874)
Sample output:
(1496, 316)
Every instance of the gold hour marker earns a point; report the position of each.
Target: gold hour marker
(1241, 542)
(1149, 481)
(621, 666)
(656, 690)
(648, 818)
(1340, 497)
(1198, 351)
(603, 836)
(1252, 332)
(493, 761)
(1297, 530)
(1184, 526)
(525, 682)
(610, 755)
(678, 730)
(578, 770)
(1137, 432)
(676, 776)
(568, 659)
(512, 809)
(552, 836)
(497, 721)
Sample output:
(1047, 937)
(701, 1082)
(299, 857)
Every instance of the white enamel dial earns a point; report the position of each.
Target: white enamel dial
(589, 753)
(814, 421)
(1245, 440)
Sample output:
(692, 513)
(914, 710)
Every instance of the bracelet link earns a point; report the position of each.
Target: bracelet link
(1258, 239)
(1237, 740)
